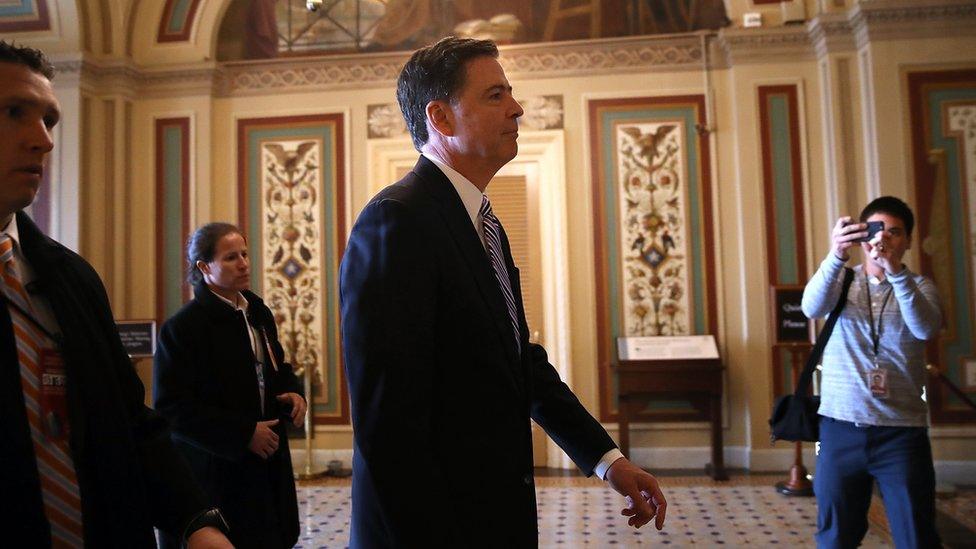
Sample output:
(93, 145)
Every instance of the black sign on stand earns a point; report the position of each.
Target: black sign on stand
(138, 337)
(791, 325)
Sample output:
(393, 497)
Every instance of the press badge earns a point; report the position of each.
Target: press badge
(54, 395)
(878, 382)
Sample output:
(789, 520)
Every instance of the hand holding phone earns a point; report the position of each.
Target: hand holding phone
(874, 227)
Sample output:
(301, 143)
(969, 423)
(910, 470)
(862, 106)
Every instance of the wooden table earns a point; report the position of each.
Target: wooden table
(641, 379)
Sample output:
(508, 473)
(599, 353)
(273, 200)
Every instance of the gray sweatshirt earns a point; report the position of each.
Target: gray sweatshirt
(911, 316)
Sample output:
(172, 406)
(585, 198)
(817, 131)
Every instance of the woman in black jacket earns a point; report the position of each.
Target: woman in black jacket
(221, 379)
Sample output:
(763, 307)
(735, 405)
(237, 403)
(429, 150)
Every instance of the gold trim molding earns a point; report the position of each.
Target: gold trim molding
(866, 22)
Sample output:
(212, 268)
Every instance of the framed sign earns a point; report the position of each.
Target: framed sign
(667, 348)
(791, 325)
(138, 337)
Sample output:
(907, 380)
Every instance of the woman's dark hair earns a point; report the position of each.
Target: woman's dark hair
(202, 246)
(892, 206)
(436, 73)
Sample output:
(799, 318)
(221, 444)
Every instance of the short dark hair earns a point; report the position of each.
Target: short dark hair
(892, 206)
(28, 57)
(202, 246)
(436, 73)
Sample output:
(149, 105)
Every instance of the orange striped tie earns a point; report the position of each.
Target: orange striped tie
(59, 485)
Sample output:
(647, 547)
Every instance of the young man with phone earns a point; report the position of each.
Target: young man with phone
(873, 424)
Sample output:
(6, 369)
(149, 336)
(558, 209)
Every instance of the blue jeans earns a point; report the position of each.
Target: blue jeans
(851, 458)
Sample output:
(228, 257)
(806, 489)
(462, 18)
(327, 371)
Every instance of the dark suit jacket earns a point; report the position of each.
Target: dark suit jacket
(129, 474)
(441, 397)
(205, 383)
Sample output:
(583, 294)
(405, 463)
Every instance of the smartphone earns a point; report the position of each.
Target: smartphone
(874, 227)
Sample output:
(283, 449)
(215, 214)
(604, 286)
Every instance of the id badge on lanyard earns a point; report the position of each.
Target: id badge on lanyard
(878, 381)
(54, 395)
(877, 377)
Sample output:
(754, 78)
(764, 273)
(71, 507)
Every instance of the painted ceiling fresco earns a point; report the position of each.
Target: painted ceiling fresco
(271, 28)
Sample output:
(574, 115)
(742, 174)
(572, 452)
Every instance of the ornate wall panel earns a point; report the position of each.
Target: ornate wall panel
(291, 192)
(653, 243)
(779, 123)
(177, 20)
(172, 145)
(24, 16)
(943, 129)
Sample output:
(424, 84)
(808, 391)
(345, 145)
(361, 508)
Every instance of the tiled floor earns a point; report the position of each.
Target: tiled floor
(577, 512)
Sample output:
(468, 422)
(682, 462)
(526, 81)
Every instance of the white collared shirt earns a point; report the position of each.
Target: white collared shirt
(471, 198)
(470, 195)
(242, 306)
(42, 312)
(255, 337)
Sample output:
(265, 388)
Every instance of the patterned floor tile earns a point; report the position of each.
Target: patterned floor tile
(584, 513)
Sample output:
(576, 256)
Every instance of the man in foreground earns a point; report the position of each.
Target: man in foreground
(442, 377)
(84, 462)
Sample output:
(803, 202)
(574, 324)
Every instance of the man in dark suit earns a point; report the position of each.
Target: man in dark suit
(84, 462)
(442, 376)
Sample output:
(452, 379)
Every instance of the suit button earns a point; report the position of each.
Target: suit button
(527, 479)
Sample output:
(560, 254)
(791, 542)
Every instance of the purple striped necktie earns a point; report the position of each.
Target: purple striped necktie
(59, 485)
(493, 245)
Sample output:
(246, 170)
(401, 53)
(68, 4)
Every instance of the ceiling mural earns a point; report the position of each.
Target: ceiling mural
(259, 29)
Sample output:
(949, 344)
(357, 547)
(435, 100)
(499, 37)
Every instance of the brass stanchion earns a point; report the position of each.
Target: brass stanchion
(799, 482)
(309, 472)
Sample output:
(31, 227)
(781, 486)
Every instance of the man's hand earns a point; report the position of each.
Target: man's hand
(881, 252)
(208, 537)
(845, 234)
(298, 407)
(264, 441)
(645, 501)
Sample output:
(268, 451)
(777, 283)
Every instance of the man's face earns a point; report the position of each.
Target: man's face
(894, 237)
(485, 115)
(28, 112)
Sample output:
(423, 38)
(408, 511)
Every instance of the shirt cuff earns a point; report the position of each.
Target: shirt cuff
(606, 461)
(833, 263)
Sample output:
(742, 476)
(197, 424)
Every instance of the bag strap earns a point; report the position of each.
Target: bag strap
(803, 384)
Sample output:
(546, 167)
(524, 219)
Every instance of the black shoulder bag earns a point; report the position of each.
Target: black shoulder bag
(795, 416)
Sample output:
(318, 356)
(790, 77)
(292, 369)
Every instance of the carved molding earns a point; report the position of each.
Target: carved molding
(763, 45)
(542, 112)
(878, 20)
(321, 73)
(101, 78)
(831, 33)
(385, 120)
(520, 61)
(834, 32)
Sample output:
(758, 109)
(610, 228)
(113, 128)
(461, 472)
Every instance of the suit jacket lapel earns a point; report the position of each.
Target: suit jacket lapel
(459, 224)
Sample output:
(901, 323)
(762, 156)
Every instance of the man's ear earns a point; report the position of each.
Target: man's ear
(440, 118)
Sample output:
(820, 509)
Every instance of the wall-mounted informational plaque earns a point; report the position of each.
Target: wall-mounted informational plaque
(667, 348)
(138, 337)
(792, 326)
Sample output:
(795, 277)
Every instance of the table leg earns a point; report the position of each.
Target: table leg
(624, 423)
(718, 458)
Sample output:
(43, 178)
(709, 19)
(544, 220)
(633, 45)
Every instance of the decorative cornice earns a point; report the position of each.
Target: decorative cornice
(649, 53)
(834, 32)
(878, 20)
(310, 74)
(831, 33)
(106, 78)
(765, 44)
(550, 60)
